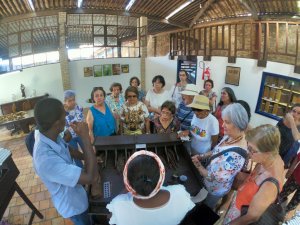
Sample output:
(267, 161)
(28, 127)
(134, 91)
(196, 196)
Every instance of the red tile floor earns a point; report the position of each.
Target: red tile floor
(18, 213)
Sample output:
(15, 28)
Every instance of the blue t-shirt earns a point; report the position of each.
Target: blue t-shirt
(104, 124)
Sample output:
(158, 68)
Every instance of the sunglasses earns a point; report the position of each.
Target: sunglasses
(131, 96)
(197, 110)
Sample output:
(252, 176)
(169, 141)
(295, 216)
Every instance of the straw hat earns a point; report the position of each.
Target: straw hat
(190, 89)
(200, 102)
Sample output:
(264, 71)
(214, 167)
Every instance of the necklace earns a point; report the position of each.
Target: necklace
(226, 142)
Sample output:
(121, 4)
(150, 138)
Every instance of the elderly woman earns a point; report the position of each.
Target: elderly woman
(115, 100)
(208, 92)
(74, 113)
(166, 122)
(148, 202)
(100, 119)
(289, 128)
(227, 98)
(227, 158)
(178, 87)
(134, 114)
(135, 82)
(157, 96)
(258, 192)
(204, 126)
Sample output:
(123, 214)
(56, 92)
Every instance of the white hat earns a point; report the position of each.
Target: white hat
(190, 89)
(200, 102)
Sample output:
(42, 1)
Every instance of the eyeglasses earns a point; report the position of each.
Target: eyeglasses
(197, 110)
(131, 96)
(252, 150)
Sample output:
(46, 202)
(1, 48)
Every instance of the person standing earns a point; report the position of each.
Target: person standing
(178, 87)
(208, 92)
(53, 163)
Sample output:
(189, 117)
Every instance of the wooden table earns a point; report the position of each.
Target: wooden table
(23, 123)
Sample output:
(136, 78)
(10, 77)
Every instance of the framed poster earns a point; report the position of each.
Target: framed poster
(232, 75)
(125, 68)
(87, 71)
(116, 69)
(98, 71)
(107, 70)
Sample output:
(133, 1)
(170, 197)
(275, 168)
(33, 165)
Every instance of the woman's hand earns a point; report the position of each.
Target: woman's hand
(196, 161)
(183, 133)
(289, 119)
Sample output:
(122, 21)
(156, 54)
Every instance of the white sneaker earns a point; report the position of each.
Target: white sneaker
(200, 196)
(295, 220)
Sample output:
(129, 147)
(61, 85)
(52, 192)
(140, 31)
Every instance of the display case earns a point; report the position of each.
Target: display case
(277, 94)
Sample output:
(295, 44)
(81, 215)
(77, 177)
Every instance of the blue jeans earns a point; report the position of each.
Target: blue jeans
(82, 219)
(74, 144)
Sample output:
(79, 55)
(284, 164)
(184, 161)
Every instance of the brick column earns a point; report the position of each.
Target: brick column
(142, 33)
(63, 53)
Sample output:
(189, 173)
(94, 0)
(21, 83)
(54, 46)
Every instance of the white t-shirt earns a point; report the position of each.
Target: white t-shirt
(126, 212)
(156, 100)
(202, 130)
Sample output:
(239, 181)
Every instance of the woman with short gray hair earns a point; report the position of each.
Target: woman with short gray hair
(227, 158)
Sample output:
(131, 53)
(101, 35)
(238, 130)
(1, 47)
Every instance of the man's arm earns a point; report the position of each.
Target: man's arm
(90, 175)
(75, 154)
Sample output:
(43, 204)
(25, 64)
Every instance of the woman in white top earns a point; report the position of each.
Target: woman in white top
(147, 202)
(157, 96)
(204, 126)
(178, 87)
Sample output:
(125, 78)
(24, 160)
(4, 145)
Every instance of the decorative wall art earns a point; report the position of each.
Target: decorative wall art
(98, 71)
(107, 70)
(125, 68)
(232, 75)
(116, 69)
(87, 71)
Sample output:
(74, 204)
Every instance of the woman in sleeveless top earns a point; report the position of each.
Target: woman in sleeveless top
(100, 119)
(263, 145)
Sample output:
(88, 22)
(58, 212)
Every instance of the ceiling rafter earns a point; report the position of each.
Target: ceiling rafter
(250, 7)
(3, 10)
(201, 12)
(7, 7)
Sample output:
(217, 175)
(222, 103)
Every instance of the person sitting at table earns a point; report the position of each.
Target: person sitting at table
(100, 119)
(227, 158)
(53, 163)
(73, 113)
(134, 114)
(147, 201)
(166, 122)
(204, 126)
(135, 82)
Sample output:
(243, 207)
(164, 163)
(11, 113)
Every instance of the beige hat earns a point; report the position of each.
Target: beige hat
(190, 89)
(200, 102)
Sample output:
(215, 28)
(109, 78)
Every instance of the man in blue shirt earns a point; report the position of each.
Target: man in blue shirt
(55, 167)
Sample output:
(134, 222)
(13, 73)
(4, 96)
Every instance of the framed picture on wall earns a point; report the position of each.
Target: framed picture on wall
(98, 71)
(87, 71)
(107, 70)
(232, 75)
(116, 69)
(125, 68)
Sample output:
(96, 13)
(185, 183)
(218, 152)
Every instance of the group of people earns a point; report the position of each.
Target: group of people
(222, 144)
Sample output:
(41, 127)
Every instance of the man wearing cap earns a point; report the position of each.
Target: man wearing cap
(204, 126)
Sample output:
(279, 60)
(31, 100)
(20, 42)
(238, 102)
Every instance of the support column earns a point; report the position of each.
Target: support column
(142, 32)
(63, 53)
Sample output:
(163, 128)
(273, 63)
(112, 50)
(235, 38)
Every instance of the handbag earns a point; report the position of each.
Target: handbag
(274, 214)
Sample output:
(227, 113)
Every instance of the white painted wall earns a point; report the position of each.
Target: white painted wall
(44, 79)
(84, 85)
(250, 78)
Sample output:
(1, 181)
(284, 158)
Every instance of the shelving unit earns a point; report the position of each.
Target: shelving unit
(277, 95)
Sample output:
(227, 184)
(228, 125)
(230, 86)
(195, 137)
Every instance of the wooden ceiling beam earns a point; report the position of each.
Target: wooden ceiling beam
(201, 12)
(16, 5)
(46, 3)
(7, 8)
(250, 7)
(3, 10)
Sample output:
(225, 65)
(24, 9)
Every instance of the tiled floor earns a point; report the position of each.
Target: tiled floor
(18, 212)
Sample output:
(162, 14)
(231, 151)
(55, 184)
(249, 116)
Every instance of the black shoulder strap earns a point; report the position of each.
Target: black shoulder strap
(274, 181)
(186, 116)
(238, 150)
